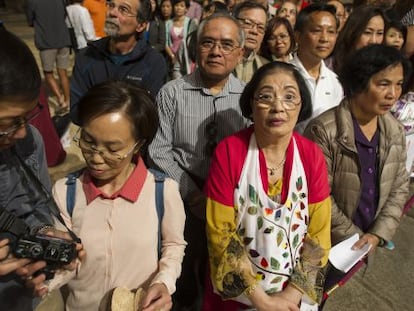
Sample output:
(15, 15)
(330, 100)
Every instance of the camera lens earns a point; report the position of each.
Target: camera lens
(36, 251)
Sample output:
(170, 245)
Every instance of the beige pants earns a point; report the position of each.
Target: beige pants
(52, 302)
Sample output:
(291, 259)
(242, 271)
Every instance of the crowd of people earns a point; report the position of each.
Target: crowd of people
(227, 147)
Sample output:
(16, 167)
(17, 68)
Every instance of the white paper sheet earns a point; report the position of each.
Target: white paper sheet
(343, 257)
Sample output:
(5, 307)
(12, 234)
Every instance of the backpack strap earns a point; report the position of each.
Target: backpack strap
(159, 203)
(159, 197)
(71, 190)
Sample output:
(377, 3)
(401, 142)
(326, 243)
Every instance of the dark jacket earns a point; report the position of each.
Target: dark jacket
(157, 34)
(333, 131)
(95, 64)
(20, 197)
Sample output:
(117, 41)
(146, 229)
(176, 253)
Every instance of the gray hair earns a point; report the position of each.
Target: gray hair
(225, 16)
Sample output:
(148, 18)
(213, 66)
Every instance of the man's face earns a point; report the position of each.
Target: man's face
(121, 18)
(253, 22)
(14, 116)
(318, 39)
(215, 63)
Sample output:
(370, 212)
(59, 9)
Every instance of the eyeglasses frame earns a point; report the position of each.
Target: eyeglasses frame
(25, 120)
(78, 138)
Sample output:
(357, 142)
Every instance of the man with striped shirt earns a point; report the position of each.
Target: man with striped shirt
(196, 112)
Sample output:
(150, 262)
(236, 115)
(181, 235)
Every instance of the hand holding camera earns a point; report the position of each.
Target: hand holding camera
(56, 248)
(9, 263)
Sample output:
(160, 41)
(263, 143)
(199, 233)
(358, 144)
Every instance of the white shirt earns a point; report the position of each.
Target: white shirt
(82, 24)
(326, 92)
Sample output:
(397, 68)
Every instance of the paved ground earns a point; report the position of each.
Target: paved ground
(387, 286)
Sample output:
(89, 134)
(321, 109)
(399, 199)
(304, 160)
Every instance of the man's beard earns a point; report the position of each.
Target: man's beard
(111, 27)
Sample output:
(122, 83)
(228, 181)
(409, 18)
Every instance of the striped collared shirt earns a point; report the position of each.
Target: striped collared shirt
(185, 109)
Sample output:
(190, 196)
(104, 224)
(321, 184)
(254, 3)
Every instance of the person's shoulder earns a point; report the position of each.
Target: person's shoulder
(393, 125)
(326, 118)
(236, 84)
(262, 59)
(176, 85)
(150, 55)
(237, 140)
(310, 152)
(95, 49)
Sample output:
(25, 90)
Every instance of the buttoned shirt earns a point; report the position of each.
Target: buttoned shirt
(120, 236)
(368, 160)
(185, 108)
(326, 92)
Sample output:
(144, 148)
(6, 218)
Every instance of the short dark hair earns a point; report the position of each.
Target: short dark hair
(394, 23)
(19, 73)
(217, 7)
(303, 16)
(247, 5)
(272, 24)
(187, 2)
(144, 12)
(247, 97)
(366, 62)
(136, 102)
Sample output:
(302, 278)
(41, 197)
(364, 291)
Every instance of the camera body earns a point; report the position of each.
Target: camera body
(54, 251)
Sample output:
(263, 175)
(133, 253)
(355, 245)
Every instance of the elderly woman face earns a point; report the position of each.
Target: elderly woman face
(383, 89)
(276, 104)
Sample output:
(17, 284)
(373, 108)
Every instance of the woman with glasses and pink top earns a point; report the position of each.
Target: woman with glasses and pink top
(115, 211)
(268, 204)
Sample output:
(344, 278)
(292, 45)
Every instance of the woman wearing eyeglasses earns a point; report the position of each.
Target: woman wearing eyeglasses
(115, 211)
(279, 40)
(268, 205)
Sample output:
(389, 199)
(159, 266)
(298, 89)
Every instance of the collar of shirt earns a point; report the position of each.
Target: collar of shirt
(195, 82)
(129, 191)
(298, 63)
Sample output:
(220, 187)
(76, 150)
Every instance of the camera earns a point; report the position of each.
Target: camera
(55, 251)
(42, 247)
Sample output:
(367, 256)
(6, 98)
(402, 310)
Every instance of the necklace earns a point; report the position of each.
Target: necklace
(273, 170)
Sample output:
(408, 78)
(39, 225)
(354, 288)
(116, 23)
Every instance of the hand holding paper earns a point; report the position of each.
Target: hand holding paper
(343, 257)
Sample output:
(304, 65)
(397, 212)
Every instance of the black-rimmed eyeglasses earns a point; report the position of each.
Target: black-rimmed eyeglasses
(20, 122)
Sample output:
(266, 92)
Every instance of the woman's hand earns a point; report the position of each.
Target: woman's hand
(286, 300)
(8, 263)
(367, 238)
(157, 299)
